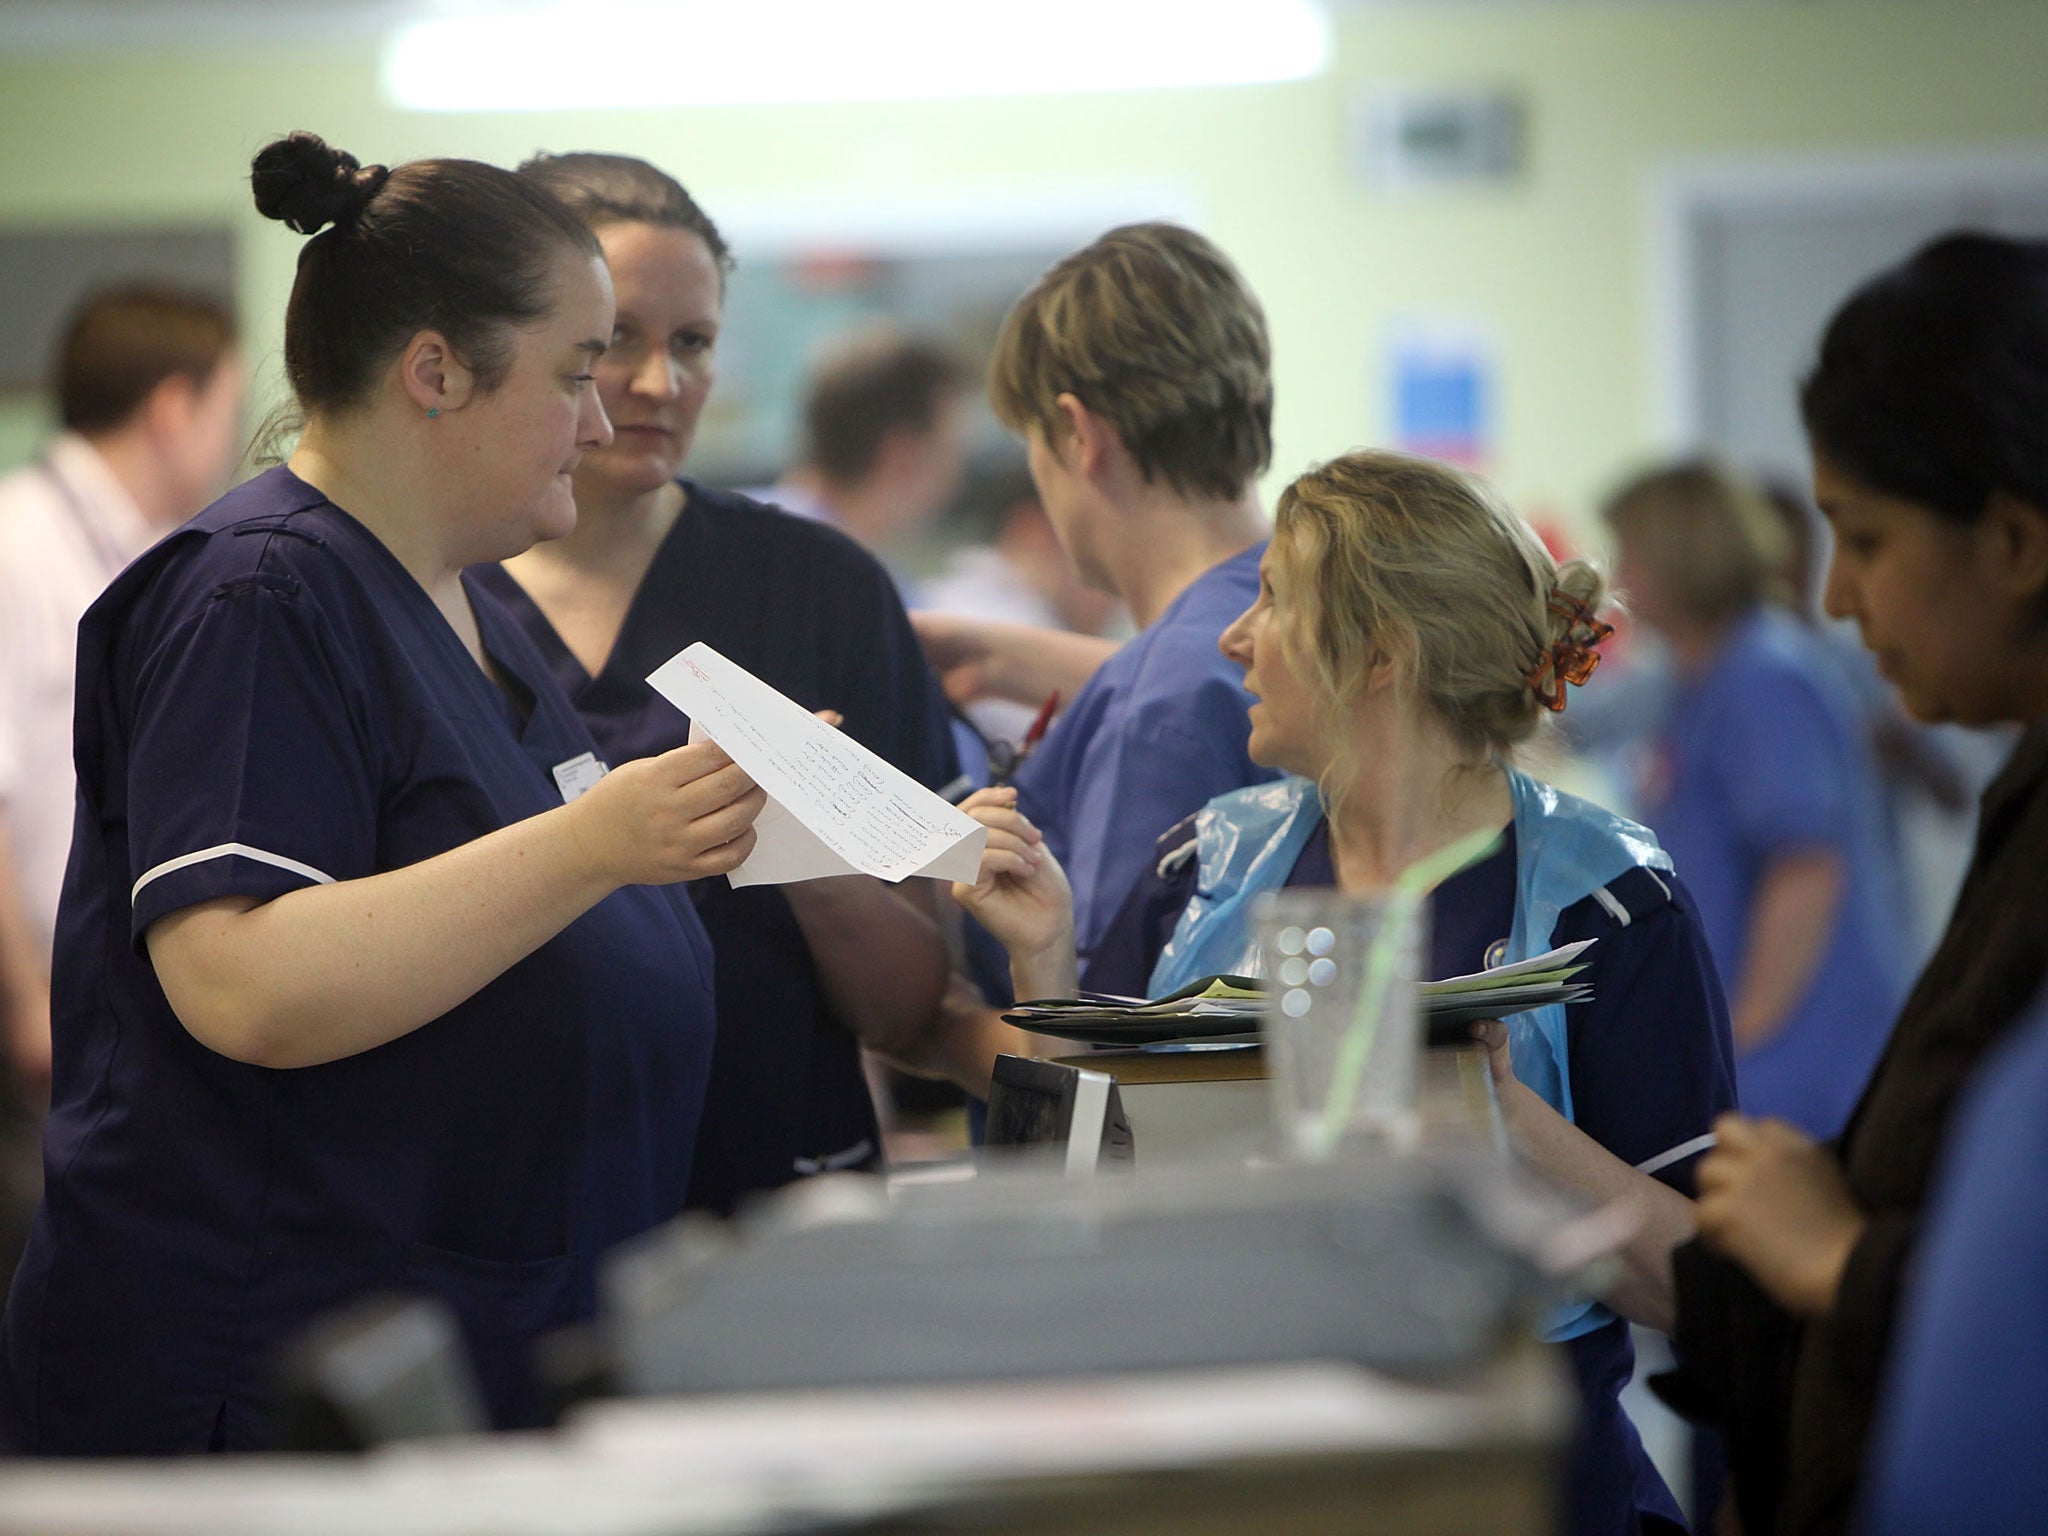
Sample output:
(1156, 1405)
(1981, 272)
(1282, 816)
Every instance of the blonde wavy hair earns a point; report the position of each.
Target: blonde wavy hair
(1380, 554)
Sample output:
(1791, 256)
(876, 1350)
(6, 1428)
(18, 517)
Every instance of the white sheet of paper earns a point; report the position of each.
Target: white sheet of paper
(834, 807)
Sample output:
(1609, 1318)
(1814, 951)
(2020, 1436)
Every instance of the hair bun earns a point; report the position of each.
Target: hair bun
(308, 185)
(1581, 582)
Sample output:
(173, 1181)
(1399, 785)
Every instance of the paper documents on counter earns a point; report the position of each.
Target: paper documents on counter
(1227, 1009)
(834, 807)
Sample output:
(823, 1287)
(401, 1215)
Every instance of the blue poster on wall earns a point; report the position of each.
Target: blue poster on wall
(1442, 394)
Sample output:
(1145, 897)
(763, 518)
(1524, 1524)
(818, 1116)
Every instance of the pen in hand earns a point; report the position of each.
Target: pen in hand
(1005, 759)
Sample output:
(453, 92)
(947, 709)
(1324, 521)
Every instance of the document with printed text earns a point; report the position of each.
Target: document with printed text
(834, 807)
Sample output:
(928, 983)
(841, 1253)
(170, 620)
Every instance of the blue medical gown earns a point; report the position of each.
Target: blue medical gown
(1963, 1443)
(1159, 731)
(1763, 756)
(267, 700)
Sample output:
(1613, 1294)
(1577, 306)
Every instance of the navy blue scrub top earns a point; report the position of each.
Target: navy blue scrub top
(811, 613)
(268, 700)
(1652, 1064)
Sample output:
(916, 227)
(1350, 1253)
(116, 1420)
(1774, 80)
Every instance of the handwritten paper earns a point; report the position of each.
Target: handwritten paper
(834, 807)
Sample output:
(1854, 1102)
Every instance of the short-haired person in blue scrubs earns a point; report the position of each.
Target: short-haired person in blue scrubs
(1138, 372)
(365, 979)
(1407, 634)
(658, 562)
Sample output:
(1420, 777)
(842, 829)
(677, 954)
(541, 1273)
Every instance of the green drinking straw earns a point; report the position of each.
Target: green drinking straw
(1409, 888)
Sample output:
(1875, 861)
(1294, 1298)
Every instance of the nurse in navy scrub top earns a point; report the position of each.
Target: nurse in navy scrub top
(364, 979)
(657, 562)
(1407, 634)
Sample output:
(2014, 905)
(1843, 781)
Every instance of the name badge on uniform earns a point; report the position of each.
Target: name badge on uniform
(576, 776)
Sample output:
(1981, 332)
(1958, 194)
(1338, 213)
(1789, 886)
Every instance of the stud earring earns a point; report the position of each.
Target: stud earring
(433, 411)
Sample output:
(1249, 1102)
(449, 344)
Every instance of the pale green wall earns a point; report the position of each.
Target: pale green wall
(1556, 267)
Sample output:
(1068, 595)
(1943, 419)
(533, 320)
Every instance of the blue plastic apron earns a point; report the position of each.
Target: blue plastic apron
(1247, 842)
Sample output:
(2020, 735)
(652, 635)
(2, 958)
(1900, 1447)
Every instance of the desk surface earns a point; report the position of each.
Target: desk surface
(1315, 1447)
(1219, 1064)
(1455, 1097)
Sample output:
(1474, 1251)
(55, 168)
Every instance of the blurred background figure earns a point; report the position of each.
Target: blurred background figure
(884, 453)
(148, 386)
(1761, 782)
(884, 441)
(1015, 572)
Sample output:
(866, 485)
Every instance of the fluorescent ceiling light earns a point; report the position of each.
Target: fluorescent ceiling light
(641, 53)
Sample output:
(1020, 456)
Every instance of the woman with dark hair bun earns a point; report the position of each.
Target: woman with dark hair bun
(1927, 412)
(658, 561)
(368, 978)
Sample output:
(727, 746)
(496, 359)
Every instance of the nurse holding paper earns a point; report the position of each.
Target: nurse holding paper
(361, 984)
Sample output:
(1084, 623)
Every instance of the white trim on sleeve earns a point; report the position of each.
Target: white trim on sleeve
(831, 1162)
(1615, 909)
(1677, 1154)
(224, 851)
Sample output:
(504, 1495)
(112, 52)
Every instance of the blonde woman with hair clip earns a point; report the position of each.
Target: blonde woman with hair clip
(1409, 633)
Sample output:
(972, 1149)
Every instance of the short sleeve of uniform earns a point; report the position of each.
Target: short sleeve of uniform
(249, 771)
(1789, 765)
(1140, 776)
(1652, 1061)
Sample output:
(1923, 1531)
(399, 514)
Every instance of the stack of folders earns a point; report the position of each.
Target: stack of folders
(1225, 1010)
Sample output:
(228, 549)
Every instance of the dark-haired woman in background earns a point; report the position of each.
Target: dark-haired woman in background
(362, 982)
(657, 562)
(1928, 417)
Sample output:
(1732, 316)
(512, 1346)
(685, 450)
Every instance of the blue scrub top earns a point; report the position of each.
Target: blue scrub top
(1766, 755)
(814, 615)
(267, 700)
(1963, 1445)
(1158, 732)
(1651, 1067)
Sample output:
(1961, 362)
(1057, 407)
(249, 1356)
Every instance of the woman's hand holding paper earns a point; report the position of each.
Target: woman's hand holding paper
(681, 816)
